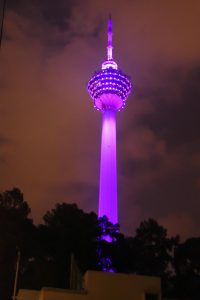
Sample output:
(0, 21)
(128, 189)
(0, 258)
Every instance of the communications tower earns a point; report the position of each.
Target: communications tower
(109, 88)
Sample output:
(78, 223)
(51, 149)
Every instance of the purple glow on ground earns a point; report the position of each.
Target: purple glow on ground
(108, 168)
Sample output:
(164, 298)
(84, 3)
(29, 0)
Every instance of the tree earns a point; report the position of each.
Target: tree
(153, 252)
(154, 248)
(187, 267)
(106, 244)
(14, 234)
(67, 230)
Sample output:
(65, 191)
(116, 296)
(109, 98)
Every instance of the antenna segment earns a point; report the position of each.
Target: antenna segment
(109, 63)
(110, 47)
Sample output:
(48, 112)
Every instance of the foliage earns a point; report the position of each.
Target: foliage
(66, 230)
(153, 249)
(75, 232)
(106, 244)
(187, 268)
(15, 228)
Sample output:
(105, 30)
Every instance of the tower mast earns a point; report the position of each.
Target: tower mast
(110, 47)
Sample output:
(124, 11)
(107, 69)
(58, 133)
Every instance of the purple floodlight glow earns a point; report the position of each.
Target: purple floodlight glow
(109, 88)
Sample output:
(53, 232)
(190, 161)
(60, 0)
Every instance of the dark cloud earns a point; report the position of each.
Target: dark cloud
(134, 167)
(53, 23)
(176, 115)
(55, 14)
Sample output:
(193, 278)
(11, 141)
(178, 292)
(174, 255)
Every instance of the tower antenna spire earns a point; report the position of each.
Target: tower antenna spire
(110, 47)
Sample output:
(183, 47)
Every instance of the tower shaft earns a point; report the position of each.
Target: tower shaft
(109, 88)
(108, 168)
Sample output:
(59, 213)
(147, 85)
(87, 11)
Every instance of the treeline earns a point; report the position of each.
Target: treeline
(46, 250)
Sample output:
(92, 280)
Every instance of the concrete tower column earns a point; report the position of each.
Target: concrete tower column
(108, 168)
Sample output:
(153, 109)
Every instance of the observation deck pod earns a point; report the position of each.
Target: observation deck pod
(109, 88)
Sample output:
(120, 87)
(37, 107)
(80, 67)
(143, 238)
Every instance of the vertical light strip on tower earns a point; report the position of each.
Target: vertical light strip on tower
(109, 89)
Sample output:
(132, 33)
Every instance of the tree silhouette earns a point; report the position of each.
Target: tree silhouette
(15, 228)
(187, 268)
(153, 249)
(67, 230)
(153, 252)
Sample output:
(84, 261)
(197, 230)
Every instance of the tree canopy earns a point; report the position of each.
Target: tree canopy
(15, 229)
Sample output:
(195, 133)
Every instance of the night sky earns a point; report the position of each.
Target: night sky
(50, 133)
